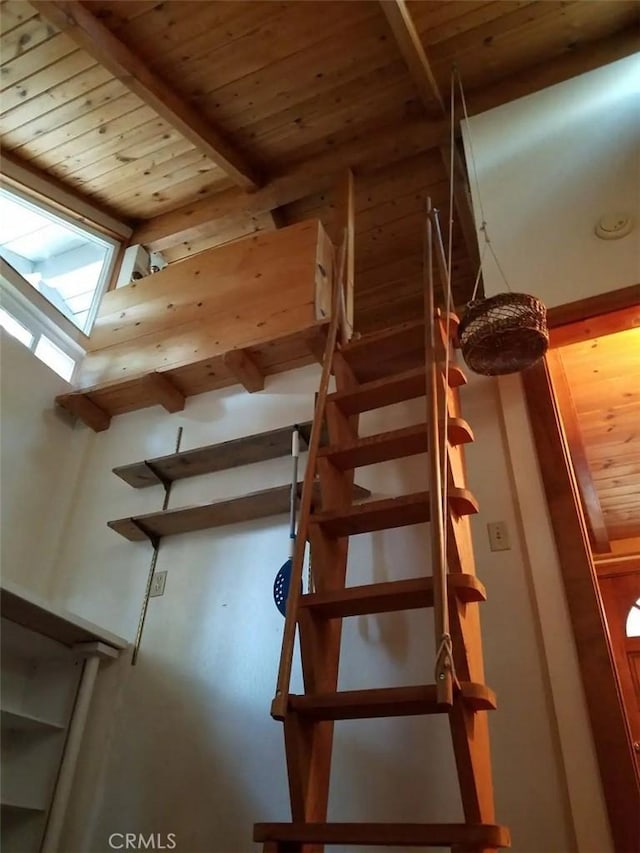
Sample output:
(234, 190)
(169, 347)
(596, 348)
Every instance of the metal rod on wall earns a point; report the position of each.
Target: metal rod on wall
(155, 541)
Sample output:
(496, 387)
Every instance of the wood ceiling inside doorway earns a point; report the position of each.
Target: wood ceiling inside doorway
(203, 121)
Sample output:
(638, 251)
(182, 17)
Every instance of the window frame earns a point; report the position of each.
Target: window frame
(43, 306)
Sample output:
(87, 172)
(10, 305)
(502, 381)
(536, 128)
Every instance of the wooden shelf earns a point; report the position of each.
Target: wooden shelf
(262, 504)
(29, 610)
(215, 457)
(16, 721)
(11, 806)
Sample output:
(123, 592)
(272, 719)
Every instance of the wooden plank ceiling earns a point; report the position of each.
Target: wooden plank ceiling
(166, 112)
(604, 377)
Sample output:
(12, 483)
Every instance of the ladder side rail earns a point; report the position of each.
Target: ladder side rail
(434, 400)
(279, 704)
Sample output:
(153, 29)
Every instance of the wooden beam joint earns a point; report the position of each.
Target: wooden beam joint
(244, 368)
(168, 395)
(86, 410)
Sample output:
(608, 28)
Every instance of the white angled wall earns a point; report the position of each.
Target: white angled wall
(549, 166)
(544, 169)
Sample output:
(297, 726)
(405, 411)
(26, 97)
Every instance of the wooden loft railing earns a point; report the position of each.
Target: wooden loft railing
(233, 314)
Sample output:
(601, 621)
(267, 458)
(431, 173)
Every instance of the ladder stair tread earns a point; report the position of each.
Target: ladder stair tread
(398, 834)
(389, 512)
(390, 350)
(385, 391)
(416, 700)
(389, 596)
(395, 444)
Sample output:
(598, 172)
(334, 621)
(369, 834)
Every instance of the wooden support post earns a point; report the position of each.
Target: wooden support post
(169, 397)
(344, 229)
(244, 368)
(86, 410)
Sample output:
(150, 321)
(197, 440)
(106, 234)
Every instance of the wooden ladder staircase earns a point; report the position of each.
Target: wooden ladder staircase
(385, 368)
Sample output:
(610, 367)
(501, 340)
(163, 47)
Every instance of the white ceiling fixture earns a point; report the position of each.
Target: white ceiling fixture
(613, 226)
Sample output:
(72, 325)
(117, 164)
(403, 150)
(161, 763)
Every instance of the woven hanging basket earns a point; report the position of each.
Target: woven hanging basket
(505, 333)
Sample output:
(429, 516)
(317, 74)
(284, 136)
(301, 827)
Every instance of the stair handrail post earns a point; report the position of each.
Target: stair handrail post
(444, 661)
(280, 700)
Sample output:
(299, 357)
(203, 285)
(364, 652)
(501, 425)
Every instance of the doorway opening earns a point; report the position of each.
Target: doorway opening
(584, 408)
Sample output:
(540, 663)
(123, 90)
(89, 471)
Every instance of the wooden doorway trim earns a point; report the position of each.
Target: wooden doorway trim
(612, 737)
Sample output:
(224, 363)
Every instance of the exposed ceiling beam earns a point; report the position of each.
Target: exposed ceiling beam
(410, 45)
(590, 500)
(76, 21)
(20, 173)
(367, 154)
(194, 220)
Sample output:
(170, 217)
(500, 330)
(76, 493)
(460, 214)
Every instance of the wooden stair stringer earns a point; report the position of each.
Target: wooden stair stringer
(309, 742)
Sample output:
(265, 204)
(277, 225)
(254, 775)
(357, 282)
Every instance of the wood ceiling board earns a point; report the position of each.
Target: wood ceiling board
(116, 116)
(15, 13)
(57, 119)
(579, 52)
(355, 103)
(123, 125)
(79, 86)
(315, 74)
(602, 372)
(35, 61)
(534, 34)
(109, 51)
(215, 58)
(438, 21)
(143, 146)
(369, 153)
(24, 37)
(53, 75)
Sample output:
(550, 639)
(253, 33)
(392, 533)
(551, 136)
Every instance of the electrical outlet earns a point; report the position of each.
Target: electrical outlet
(157, 584)
(498, 536)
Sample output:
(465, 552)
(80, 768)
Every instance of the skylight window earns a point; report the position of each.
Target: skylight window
(68, 264)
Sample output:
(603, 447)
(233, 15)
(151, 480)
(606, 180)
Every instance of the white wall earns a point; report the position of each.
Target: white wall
(184, 742)
(549, 166)
(40, 457)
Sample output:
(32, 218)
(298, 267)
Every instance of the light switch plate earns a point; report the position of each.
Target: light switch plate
(498, 536)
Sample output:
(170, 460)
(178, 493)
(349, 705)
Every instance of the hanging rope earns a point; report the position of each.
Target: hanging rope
(455, 74)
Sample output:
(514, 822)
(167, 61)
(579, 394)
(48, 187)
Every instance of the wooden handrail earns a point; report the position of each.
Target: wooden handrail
(279, 704)
(434, 388)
